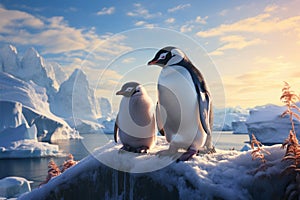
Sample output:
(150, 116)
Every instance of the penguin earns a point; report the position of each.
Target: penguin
(184, 108)
(135, 122)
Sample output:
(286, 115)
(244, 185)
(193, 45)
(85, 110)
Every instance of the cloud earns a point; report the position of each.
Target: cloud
(271, 8)
(144, 24)
(262, 23)
(170, 20)
(201, 20)
(128, 60)
(140, 11)
(191, 24)
(106, 11)
(186, 28)
(179, 7)
(54, 35)
(12, 19)
(235, 42)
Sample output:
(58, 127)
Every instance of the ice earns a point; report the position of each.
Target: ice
(222, 175)
(75, 98)
(32, 107)
(105, 108)
(12, 187)
(224, 118)
(266, 123)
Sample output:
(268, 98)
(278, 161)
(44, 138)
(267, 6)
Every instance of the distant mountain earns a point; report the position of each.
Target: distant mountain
(31, 67)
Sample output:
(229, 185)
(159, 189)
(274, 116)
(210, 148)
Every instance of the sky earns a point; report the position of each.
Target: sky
(245, 49)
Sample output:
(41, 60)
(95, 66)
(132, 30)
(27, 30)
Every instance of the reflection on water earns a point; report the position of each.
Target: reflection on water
(35, 169)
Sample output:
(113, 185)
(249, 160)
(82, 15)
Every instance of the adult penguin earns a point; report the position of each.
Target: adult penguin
(184, 108)
(135, 123)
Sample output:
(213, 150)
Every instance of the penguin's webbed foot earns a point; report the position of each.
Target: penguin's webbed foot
(207, 151)
(187, 155)
(142, 149)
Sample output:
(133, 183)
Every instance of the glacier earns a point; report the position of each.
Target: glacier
(110, 174)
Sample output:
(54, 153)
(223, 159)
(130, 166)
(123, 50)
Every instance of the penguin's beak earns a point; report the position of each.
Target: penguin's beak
(120, 92)
(152, 62)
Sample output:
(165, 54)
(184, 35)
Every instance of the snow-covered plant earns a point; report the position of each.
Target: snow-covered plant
(53, 170)
(69, 162)
(258, 152)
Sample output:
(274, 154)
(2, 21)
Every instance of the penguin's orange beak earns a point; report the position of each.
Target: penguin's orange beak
(152, 62)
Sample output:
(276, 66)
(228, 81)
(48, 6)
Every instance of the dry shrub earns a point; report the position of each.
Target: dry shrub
(69, 162)
(54, 170)
(292, 154)
(258, 152)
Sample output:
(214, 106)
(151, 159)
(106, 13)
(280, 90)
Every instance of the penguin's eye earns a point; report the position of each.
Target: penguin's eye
(162, 56)
(128, 89)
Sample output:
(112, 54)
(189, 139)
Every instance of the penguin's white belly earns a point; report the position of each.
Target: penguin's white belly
(179, 108)
(132, 134)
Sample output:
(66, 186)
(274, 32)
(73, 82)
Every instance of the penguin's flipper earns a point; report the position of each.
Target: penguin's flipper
(204, 111)
(116, 130)
(159, 121)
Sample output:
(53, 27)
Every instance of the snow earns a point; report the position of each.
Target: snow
(222, 175)
(268, 126)
(12, 187)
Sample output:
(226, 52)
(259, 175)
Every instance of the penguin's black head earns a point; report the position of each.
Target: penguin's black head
(167, 56)
(130, 88)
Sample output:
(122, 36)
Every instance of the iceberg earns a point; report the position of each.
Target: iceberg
(266, 123)
(230, 119)
(12, 187)
(31, 101)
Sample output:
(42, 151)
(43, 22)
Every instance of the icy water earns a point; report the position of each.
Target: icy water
(35, 169)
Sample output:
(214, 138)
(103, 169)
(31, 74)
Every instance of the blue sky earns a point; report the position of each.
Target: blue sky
(246, 49)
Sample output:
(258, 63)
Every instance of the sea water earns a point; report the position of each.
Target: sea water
(35, 169)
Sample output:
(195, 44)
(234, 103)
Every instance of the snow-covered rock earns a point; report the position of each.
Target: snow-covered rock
(266, 123)
(35, 108)
(12, 187)
(222, 175)
(223, 118)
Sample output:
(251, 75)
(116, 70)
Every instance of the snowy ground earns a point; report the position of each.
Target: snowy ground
(223, 175)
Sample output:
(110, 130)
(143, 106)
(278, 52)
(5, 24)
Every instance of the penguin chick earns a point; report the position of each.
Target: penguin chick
(135, 123)
(184, 107)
